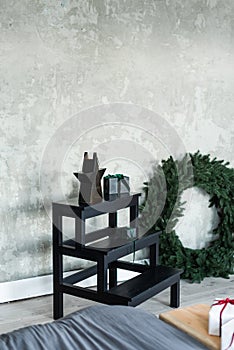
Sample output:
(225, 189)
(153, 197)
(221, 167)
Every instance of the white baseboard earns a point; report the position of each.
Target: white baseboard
(26, 288)
(39, 286)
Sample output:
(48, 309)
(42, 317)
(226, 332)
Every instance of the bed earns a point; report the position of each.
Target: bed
(101, 327)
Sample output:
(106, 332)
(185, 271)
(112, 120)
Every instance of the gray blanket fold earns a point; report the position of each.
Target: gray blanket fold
(101, 328)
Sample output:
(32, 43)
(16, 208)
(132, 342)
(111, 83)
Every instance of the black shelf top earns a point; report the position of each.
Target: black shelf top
(115, 202)
(113, 238)
(150, 279)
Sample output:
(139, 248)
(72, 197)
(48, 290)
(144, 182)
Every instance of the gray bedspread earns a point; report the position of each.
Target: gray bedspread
(101, 328)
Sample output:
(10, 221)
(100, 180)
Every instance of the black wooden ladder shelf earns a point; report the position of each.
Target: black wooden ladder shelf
(105, 247)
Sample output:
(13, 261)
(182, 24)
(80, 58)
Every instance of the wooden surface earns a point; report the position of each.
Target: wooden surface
(193, 320)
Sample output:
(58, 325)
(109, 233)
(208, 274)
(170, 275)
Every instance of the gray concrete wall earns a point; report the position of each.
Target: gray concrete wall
(57, 58)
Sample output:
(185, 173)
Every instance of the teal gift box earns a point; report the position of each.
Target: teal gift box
(116, 184)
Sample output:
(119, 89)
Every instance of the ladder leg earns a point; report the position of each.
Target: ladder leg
(175, 295)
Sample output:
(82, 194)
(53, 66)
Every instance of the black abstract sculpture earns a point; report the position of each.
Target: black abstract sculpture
(90, 180)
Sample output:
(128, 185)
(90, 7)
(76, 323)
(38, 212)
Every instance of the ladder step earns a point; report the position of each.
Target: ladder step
(147, 284)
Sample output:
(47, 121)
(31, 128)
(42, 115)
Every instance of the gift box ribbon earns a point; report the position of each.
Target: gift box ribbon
(115, 176)
(223, 302)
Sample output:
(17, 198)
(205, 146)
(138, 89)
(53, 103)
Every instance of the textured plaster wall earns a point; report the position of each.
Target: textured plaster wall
(174, 57)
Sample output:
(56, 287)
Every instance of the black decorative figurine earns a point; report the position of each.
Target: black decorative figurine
(90, 181)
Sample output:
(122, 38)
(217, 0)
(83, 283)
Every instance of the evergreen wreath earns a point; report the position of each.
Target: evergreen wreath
(164, 190)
